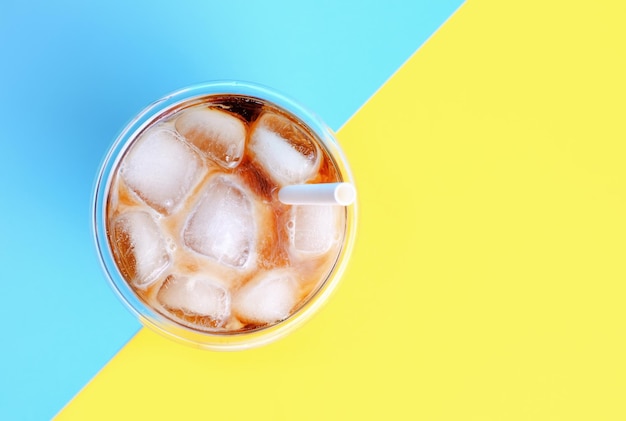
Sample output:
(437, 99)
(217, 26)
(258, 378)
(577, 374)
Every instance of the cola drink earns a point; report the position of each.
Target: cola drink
(189, 225)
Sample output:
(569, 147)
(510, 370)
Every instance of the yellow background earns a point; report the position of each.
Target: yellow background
(487, 282)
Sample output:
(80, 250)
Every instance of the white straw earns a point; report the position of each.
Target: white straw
(342, 194)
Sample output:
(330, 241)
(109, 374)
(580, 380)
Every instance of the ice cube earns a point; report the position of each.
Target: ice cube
(315, 229)
(285, 150)
(196, 299)
(140, 247)
(218, 134)
(222, 225)
(161, 169)
(267, 298)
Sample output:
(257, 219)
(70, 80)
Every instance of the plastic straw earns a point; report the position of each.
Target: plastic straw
(342, 194)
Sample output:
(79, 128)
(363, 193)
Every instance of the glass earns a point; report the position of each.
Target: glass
(156, 318)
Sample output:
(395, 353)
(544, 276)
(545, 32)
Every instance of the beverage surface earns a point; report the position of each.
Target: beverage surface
(195, 224)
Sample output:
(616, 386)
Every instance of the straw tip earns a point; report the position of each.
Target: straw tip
(345, 194)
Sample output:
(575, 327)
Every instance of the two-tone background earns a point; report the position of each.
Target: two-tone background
(488, 141)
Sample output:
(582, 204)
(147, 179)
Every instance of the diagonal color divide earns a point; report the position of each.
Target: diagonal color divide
(146, 350)
(488, 278)
(72, 75)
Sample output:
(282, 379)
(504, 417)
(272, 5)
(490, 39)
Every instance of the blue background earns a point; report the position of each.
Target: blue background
(72, 74)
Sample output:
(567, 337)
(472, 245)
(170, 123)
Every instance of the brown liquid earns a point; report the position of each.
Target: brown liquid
(272, 247)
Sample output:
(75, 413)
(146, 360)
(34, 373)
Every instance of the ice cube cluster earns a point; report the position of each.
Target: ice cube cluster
(190, 229)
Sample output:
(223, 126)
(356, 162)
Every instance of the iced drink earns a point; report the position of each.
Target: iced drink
(191, 230)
